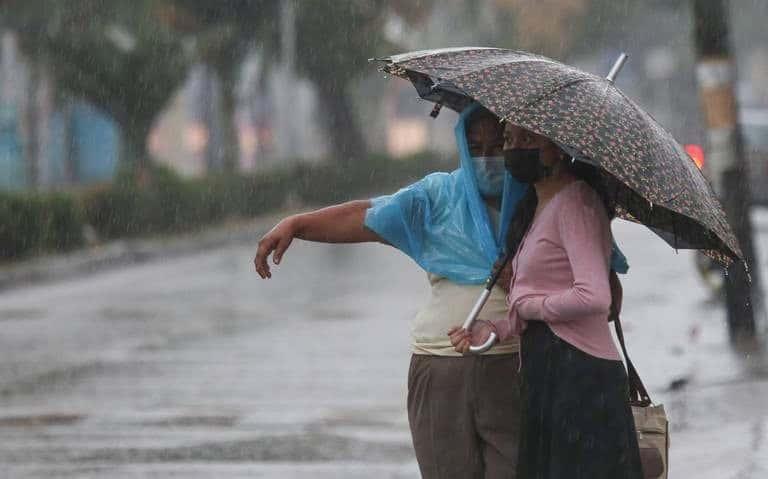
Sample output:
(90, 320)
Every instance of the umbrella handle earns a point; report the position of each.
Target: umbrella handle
(490, 282)
(471, 319)
(485, 346)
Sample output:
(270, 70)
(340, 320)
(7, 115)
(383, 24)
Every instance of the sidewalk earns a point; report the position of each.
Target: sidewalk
(117, 253)
(678, 340)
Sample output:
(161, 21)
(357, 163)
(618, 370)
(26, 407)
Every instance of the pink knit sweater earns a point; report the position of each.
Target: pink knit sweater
(560, 273)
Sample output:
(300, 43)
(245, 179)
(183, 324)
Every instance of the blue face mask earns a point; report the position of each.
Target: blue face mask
(489, 172)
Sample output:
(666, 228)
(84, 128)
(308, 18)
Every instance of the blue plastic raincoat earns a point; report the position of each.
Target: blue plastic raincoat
(442, 223)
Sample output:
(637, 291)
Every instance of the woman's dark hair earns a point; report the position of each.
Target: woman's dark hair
(594, 178)
(526, 209)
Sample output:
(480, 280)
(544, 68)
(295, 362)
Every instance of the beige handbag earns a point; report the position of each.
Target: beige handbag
(650, 421)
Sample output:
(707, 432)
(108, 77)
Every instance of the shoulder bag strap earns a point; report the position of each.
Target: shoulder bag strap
(638, 395)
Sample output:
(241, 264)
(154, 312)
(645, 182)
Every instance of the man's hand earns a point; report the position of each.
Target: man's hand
(478, 334)
(344, 223)
(278, 240)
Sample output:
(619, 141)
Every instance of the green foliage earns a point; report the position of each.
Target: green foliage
(229, 195)
(223, 33)
(224, 30)
(332, 51)
(327, 183)
(32, 223)
(169, 204)
(166, 203)
(337, 46)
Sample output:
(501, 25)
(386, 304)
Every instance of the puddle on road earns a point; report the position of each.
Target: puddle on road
(21, 314)
(53, 419)
(129, 314)
(57, 379)
(195, 421)
(283, 448)
(332, 314)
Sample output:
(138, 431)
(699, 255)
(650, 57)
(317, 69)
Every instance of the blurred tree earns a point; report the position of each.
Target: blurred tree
(332, 51)
(613, 22)
(560, 28)
(117, 55)
(542, 26)
(223, 33)
(413, 12)
(726, 165)
(128, 57)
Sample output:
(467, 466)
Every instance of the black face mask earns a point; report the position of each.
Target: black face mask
(524, 165)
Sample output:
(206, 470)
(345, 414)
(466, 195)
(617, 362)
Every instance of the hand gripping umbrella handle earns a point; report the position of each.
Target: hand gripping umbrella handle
(472, 316)
(471, 319)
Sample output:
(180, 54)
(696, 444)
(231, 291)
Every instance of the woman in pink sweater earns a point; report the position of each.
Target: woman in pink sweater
(576, 418)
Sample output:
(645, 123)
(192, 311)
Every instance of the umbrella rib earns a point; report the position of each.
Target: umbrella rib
(667, 202)
(485, 67)
(397, 68)
(599, 81)
(646, 133)
(558, 88)
(663, 204)
(638, 111)
(426, 53)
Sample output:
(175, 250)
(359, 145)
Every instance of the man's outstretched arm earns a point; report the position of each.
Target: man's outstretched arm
(344, 223)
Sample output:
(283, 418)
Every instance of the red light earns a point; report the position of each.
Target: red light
(696, 153)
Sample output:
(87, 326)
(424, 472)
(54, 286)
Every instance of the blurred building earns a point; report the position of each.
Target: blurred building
(12, 170)
(275, 119)
(47, 140)
(407, 124)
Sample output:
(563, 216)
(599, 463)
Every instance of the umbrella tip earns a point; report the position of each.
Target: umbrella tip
(617, 67)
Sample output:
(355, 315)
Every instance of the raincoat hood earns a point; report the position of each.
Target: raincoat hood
(513, 191)
(442, 222)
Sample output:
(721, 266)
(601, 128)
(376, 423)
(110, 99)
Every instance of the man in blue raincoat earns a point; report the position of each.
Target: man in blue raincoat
(464, 421)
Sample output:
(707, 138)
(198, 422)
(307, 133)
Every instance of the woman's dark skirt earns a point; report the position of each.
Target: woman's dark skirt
(576, 418)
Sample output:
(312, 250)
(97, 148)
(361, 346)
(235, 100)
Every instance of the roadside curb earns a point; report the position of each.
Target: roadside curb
(118, 253)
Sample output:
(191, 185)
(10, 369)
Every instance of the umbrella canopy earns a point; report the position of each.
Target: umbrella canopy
(647, 174)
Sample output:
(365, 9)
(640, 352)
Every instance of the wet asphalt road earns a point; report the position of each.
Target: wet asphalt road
(194, 367)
